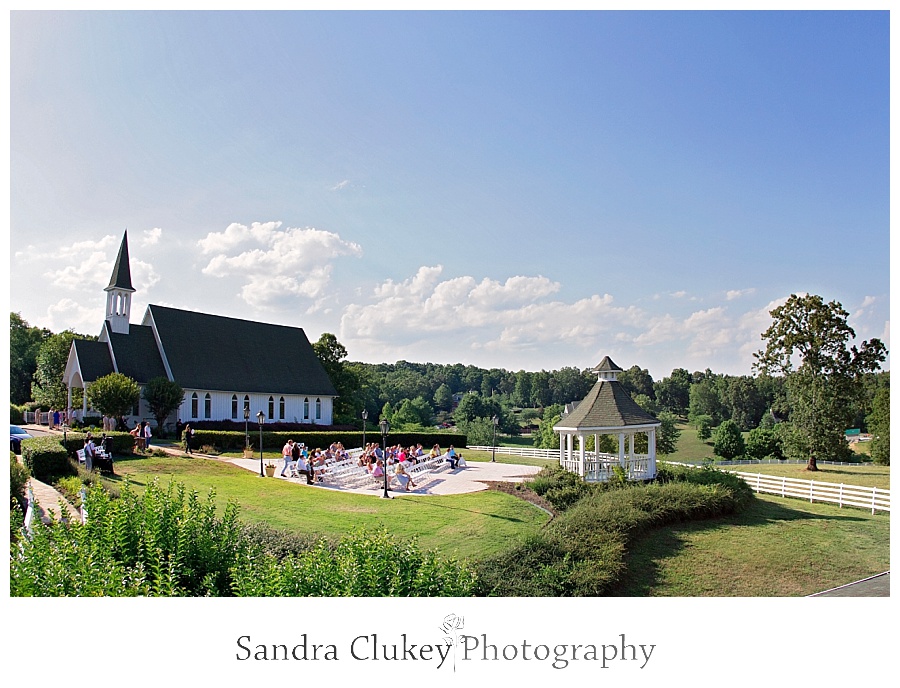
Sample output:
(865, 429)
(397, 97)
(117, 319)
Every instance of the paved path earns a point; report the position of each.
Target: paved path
(874, 586)
(473, 478)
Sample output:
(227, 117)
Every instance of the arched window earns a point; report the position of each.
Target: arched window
(195, 401)
(306, 408)
(246, 402)
(271, 408)
(281, 409)
(234, 406)
(207, 407)
(318, 409)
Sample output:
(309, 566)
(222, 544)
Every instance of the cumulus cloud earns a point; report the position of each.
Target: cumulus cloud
(76, 315)
(733, 294)
(275, 265)
(486, 314)
(151, 236)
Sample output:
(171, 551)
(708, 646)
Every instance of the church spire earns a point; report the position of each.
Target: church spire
(119, 291)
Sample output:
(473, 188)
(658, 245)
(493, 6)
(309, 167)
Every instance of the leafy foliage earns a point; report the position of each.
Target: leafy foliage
(24, 344)
(824, 387)
(113, 395)
(163, 396)
(728, 442)
(47, 386)
(880, 426)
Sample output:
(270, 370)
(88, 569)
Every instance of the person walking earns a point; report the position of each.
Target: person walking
(147, 435)
(188, 437)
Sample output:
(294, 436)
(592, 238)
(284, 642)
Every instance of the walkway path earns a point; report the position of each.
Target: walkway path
(473, 478)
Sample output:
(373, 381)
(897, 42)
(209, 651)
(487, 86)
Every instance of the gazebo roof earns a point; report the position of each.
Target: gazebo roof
(607, 406)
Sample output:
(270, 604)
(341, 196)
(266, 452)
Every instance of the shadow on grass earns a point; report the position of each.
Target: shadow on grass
(648, 549)
(432, 504)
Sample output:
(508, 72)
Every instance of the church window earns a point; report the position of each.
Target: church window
(246, 402)
(281, 409)
(234, 406)
(207, 407)
(318, 409)
(306, 408)
(271, 408)
(194, 405)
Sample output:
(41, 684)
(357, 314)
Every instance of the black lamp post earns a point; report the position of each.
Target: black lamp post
(494, 420)
(246, 431)
(365, 415)
(385, 428)
(261, 418)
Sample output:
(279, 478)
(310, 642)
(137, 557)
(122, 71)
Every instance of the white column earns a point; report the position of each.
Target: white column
(651, 450)
(562, 447)
(622, 449)
(84, 401)
(581, 455)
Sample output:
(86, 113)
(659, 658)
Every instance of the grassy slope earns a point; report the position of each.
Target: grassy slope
(777, 547)
(463, 526)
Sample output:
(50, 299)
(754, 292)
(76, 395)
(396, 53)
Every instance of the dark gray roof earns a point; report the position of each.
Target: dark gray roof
(93, 359)
(606, 365)
(607, 405)
(121, 274)
(136, 353)
(218, 353)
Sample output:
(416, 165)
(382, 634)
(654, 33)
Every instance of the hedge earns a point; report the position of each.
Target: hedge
(122, 442)
(45, 458)
(228, 440)
(16, 414)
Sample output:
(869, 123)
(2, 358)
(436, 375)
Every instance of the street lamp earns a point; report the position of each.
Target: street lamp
(365, 415)
(494, 420)
(261, 419)
(385, 428)
(246, 431)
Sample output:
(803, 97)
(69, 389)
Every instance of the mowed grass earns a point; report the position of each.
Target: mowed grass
(462, 526)
(864, 475)
(776, 548)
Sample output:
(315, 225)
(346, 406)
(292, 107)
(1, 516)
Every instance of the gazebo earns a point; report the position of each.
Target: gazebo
(608, 409)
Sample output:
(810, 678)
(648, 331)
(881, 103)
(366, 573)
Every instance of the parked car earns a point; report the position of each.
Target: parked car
(16, 435)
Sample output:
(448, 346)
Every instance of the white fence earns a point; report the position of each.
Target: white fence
(597, 467)
(874, 498)
(550, 454)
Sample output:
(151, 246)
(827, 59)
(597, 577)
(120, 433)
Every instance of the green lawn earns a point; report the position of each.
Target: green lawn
(864, 475)
(464, 526)
(777, 547)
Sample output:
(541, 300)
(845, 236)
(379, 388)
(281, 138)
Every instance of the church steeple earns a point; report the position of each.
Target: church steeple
(119, 291)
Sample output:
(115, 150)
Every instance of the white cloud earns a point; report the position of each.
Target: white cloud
(733, 294)
(341, 185)
(678, 294)
(151, 236)
(78, 316)
(275, 266)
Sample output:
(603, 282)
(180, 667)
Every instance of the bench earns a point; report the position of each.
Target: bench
(101, 460)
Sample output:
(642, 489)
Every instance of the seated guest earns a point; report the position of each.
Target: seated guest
(404, 478)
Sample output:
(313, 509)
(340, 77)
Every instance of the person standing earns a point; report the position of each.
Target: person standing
(188, 439)
(286, 451)
(147, 435)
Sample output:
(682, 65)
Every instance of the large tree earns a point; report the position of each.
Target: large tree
(163, 396)
(809, 343)
(48, 387)
(24, 344)
(113, 395)
(879, 422)
(333, 356)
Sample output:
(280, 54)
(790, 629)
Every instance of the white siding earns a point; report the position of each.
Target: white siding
(221, 407)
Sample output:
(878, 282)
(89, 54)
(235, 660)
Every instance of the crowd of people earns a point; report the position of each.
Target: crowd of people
(299, 460)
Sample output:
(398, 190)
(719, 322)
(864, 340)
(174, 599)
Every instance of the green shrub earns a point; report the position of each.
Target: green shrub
(45, 458)
(16, 414)
(560, 487)
(582, 551)
(120, 442)
(279, 543)
(162, 542)
(361, 564)
(18, 480)
(70, 488)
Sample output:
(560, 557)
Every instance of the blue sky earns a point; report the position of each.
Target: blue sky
(524, 190)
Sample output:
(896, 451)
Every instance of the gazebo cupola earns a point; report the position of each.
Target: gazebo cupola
(608, 409)
(119, 291)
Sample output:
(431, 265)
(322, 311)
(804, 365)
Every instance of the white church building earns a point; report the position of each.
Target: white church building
(223, 364)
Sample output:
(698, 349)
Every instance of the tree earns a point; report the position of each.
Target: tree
(704, 425)
(443, 398)
(24, 344)
(545, 438)
(705, 399)
(332, 355)
(762, 443)
(637, 380)
(879, 422)
(674, 392)
(728, 441)
(163, 396)
(824, 387)
(113, 395)
(48, 387)
(668, 433)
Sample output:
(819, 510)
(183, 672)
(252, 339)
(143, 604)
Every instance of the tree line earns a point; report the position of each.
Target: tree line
(810, 385)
